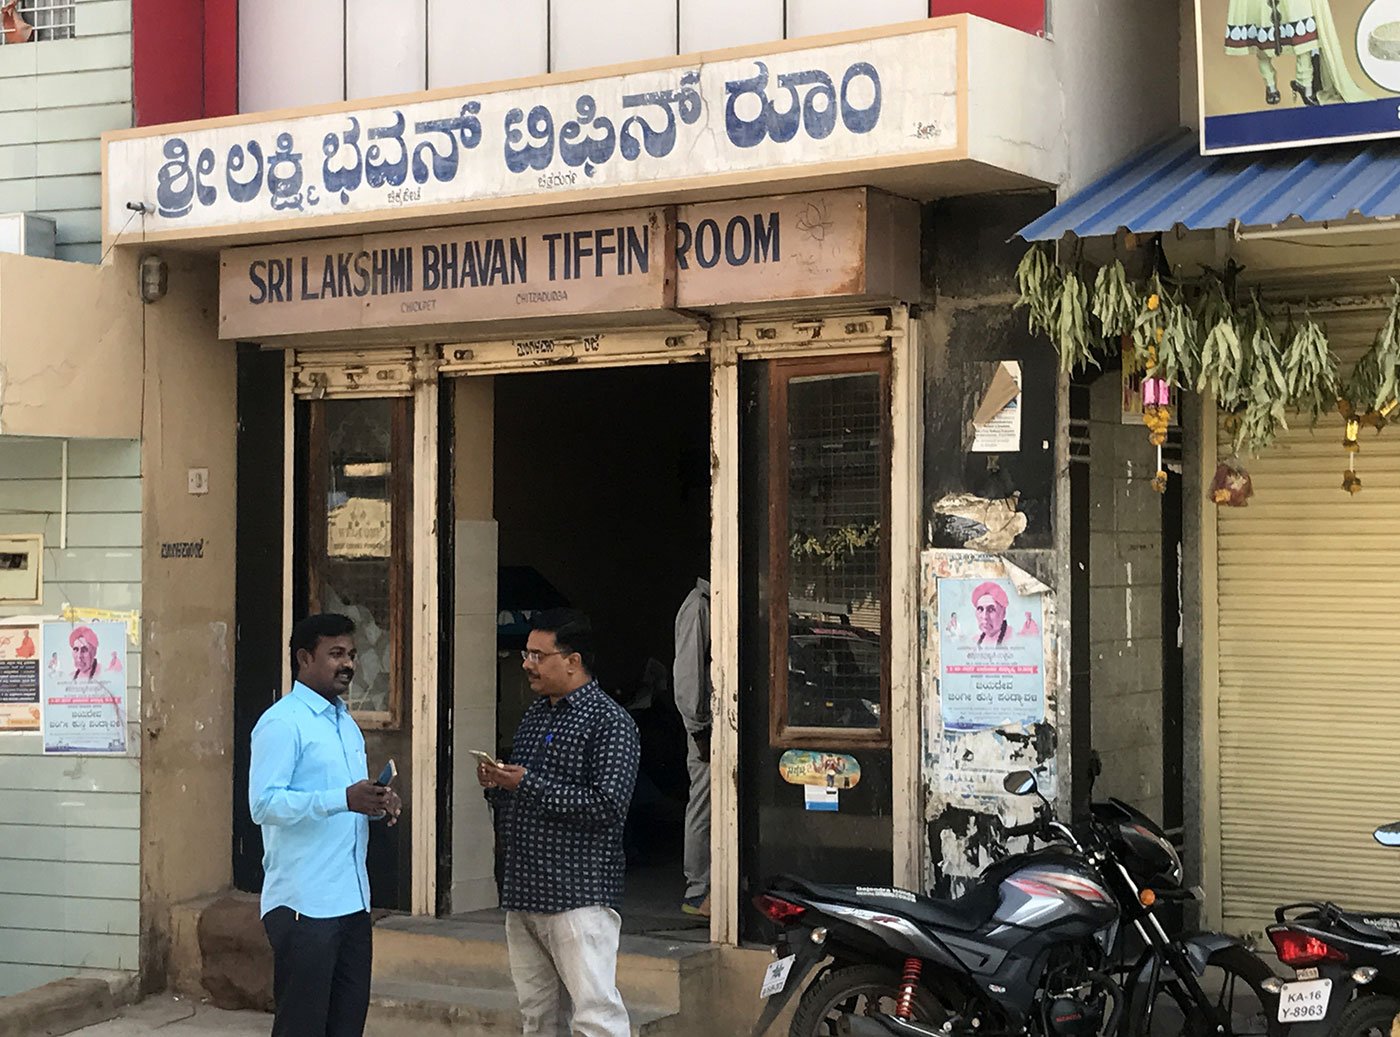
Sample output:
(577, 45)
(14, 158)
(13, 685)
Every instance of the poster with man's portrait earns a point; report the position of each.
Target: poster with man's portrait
(1280, 73)
(991, 655)
(84, 687)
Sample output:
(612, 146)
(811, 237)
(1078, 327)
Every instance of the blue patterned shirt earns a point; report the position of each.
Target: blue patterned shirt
(562, 829)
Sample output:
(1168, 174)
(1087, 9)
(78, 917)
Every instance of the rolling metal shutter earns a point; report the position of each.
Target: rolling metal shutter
(1309, 670)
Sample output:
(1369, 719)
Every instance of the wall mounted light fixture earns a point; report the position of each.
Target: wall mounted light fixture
(154, 278)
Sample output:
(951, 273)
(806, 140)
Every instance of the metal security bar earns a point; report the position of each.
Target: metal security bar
(37, 21)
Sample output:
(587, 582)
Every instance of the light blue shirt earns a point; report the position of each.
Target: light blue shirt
(306, 753)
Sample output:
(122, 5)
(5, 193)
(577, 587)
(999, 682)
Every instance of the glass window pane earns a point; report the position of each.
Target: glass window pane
(356, 574)
(835, 496)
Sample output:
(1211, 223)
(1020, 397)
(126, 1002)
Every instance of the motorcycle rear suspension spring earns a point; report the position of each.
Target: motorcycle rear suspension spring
(913, 970)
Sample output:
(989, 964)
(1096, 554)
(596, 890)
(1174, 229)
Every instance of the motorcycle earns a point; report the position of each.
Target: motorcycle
(1059, 941)
(1346, 965)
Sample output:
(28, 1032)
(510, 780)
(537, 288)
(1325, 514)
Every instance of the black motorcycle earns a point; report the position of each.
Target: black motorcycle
(1346, 966)
(1060, 941)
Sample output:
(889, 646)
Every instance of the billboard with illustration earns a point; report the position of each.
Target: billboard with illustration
(1280, 73)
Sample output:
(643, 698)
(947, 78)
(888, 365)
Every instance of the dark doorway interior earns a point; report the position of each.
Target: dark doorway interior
(258, 649)
(602, 487)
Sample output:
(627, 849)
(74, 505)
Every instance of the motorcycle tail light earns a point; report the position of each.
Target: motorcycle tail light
(1299, 950)
(778, 910)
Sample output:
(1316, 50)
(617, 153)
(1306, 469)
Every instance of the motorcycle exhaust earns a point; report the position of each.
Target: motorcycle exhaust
(882, 1026)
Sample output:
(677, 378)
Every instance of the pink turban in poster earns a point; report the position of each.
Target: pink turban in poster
(998, 595)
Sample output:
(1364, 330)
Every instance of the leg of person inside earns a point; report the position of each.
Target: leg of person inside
(583, 944)
(304, 954)
(697, 831)
(1266, 70)
(544, 1001)
(350, 983)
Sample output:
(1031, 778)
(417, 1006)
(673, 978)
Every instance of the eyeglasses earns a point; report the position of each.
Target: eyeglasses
(532, 656)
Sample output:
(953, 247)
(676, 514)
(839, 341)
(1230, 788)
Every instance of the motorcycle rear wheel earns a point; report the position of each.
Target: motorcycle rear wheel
(1232, 973)
(1370, 1015)
(855, 990)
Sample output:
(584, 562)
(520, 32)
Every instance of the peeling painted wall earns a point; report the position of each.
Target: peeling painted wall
(966, 808)
(188, 630)
(968, 324)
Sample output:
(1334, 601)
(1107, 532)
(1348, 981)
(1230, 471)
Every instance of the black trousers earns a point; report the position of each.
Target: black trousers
(320, 973)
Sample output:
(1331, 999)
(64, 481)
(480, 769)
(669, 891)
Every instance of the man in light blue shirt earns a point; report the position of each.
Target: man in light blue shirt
(309, 789)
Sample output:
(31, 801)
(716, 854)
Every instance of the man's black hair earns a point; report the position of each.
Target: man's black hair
(308, 633)
(572, 632)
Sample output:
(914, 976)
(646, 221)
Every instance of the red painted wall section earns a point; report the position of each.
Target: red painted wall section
(1026, 15)
(220, 58)
(185, 59)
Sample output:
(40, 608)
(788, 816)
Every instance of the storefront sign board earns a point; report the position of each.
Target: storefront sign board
(1282, 74)
(886, 99)
(827, 244)
(850, 243)
(596, 263)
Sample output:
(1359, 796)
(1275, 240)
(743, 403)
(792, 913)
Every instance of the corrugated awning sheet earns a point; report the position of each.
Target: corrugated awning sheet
(1172, 184)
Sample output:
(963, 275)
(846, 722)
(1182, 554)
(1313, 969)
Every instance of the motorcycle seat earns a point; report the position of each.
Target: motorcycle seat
(1374, 926)
(963, 914)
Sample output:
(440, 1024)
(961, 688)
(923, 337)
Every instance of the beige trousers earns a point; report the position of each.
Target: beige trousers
(565, 971)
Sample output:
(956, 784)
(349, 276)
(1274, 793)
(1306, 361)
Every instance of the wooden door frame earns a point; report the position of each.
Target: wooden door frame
(727, 349)
(417, 368)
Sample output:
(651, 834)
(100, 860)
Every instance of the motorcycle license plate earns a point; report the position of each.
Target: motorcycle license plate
(1304, 1002)
(777, 976)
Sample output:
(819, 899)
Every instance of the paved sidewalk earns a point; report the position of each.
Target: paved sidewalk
(180, 1017)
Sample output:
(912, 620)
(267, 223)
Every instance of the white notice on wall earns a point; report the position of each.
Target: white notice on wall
(997, 423)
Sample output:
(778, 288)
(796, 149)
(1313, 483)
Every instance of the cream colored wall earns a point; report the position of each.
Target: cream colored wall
(474, 617)
(1119, 81)
(188, 625)
(70, 349)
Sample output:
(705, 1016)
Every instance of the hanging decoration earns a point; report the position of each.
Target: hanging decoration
(1260, 367)
(1232, 487)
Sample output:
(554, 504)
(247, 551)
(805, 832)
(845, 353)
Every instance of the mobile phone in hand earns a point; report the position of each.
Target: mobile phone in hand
(387, 775)
(487, 758)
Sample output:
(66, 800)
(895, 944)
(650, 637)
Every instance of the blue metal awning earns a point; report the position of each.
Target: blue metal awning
(1171, 184)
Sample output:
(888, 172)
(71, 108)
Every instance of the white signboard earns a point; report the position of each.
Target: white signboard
(888, 97)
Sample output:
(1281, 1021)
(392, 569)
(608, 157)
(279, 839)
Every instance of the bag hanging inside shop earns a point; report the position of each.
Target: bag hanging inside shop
(13, 25)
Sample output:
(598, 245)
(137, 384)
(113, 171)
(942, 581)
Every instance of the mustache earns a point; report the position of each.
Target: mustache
(345, 671)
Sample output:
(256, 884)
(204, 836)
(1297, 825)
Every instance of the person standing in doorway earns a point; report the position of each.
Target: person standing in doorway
(691, 680)
(309, 789)
(564, 797)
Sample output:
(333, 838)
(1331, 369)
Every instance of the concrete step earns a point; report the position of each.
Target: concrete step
(417, 1009)
(59, 1007)
(473, 955)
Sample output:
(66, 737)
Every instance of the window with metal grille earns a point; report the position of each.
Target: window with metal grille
(829, 558)
(36, 21)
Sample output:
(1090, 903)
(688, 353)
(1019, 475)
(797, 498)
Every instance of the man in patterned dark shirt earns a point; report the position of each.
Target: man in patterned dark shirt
(563, 799)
